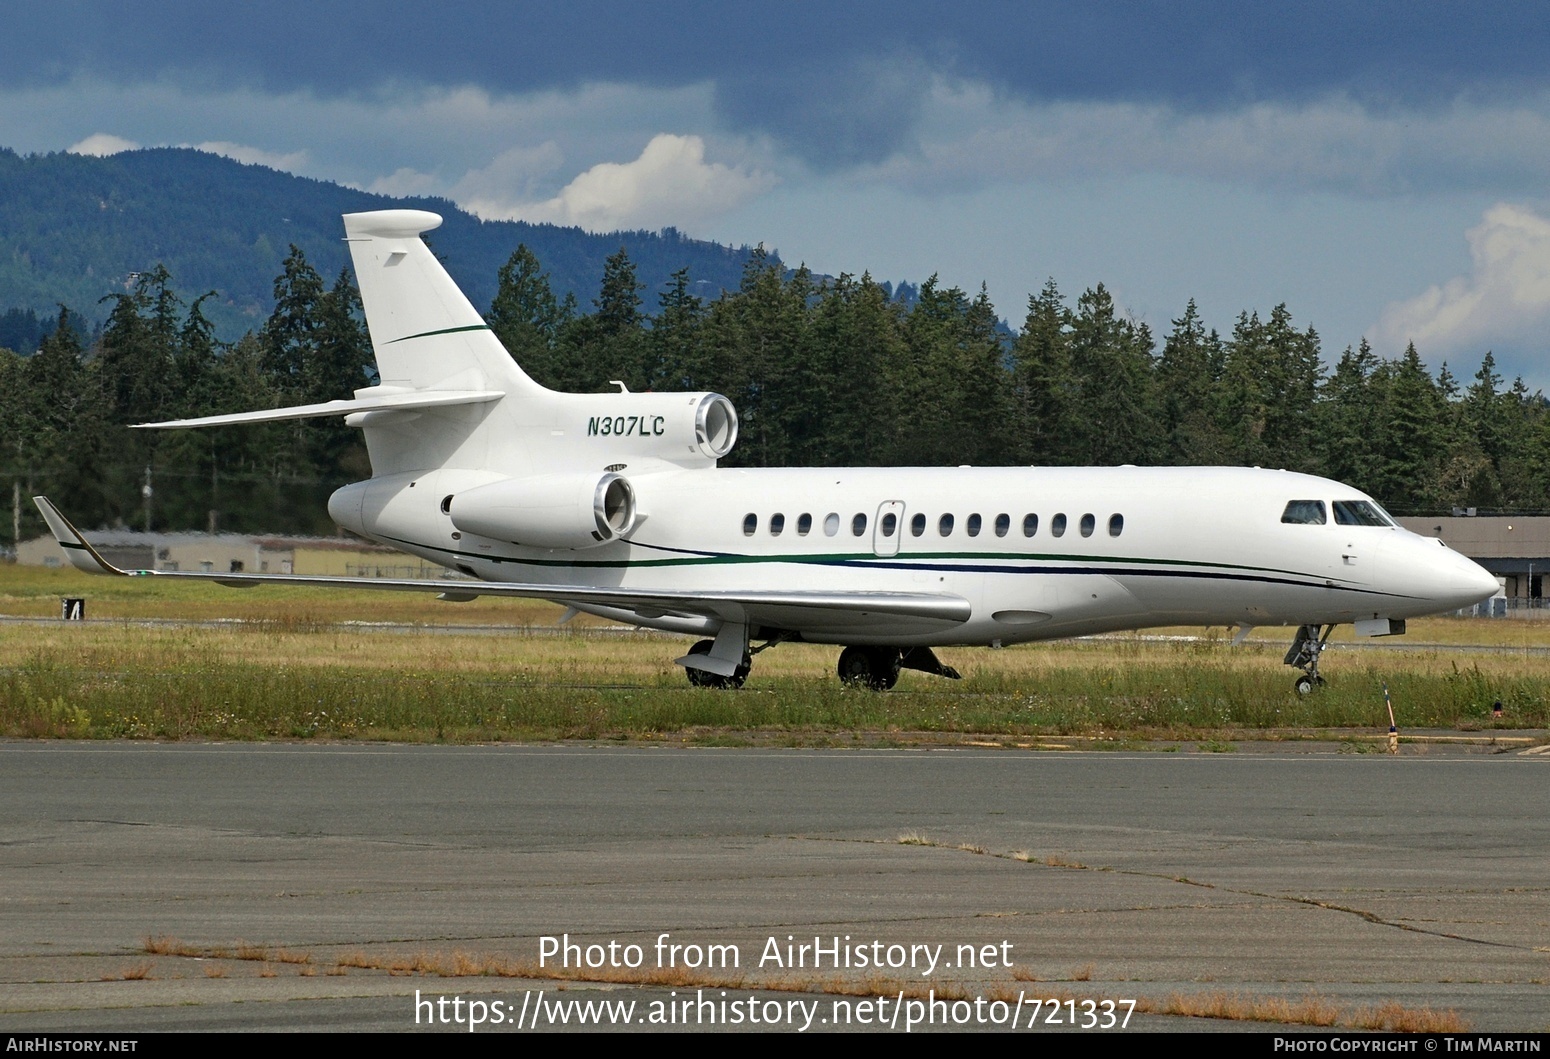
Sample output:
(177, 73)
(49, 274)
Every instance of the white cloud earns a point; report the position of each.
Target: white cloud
(405, 181)
(443, 132)
(101, 144)
(669, 184)
(966, 134)
(511, 178)
(238, 152)
(1504, 299)
(970, 135)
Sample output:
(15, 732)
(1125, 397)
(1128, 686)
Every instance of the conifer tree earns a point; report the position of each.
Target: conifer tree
(1188, 374)
(1044, 383)
(286, 337)
(1111, 360)
(525, 315)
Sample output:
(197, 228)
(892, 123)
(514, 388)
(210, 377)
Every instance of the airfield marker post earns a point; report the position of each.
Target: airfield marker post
(1393, 728)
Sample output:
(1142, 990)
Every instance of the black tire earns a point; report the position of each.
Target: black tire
(1306, 684)
(703, 678)
(876, 668)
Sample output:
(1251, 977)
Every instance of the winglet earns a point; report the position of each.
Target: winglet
(77, 548)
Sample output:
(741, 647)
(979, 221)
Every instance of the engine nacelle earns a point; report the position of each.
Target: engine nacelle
(580, 510)
(681, 427)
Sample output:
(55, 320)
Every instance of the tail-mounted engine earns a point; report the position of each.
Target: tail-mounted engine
(685, 428)
(580, 510)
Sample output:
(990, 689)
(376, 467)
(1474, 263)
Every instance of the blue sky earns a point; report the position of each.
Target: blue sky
(1382, 168)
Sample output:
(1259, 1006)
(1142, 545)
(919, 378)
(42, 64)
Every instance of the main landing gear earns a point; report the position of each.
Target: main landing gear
(878, 668)
(1304, 654)
(704, 678)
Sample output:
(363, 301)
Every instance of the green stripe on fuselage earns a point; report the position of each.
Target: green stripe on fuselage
(864, 560)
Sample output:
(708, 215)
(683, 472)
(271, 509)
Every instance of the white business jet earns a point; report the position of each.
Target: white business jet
(612, 504)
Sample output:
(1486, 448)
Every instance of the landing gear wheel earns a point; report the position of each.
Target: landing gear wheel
(1306, 683)
(1304, 655)
(704, 678)
(876, 668)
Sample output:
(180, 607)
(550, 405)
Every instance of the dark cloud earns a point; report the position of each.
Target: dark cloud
(837, 83)
(852, 112)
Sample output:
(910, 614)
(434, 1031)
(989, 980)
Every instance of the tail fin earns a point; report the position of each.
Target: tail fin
(451, 398)
(424, 332)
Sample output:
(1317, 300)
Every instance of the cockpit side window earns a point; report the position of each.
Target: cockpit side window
(1304, 512)
(1360, 513)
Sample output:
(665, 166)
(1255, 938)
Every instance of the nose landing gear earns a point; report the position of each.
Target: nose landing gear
(1304, 655)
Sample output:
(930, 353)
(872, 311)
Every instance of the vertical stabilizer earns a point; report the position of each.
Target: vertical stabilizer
(424, 332)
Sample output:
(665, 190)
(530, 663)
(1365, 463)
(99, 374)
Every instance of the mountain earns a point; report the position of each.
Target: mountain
(73, 228)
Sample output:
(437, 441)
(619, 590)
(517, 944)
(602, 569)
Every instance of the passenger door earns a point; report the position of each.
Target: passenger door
(888, 528)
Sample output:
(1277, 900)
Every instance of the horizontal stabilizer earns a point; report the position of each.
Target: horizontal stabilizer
(388, 402)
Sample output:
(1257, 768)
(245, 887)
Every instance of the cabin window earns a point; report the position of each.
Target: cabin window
(1057, 526)
(917, 525)
(750, 524)
(1359, 513)
(858, 525)
(1304, 512)
(1088, 524)
(1116, 525)
(1030, 525)
(1003, 525)
(831, 524)
(804, 524)
(889, 523)
(973, 525)
(944, 525)
(777, 524)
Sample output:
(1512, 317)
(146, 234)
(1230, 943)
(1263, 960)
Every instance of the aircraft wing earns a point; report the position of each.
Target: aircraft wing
(902, 613)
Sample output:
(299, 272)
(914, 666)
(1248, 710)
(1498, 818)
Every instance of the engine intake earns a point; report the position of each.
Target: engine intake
(715, 425)
(549, 511)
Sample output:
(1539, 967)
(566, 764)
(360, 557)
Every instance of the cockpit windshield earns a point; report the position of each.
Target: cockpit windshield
(1304, 512)
(1360, 513)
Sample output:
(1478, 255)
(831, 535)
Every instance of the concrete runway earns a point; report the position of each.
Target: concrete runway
(1278, 870)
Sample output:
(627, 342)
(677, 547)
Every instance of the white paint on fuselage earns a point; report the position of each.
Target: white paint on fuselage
(1201, 545)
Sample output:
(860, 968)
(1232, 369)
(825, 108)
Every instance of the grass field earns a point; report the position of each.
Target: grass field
(287, 663)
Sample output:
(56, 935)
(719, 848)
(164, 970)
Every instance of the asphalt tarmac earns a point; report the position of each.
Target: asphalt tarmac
(1278, 870)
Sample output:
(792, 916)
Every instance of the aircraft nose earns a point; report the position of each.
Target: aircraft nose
(1462, 582)
(1435, 575)
(1482, 583)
